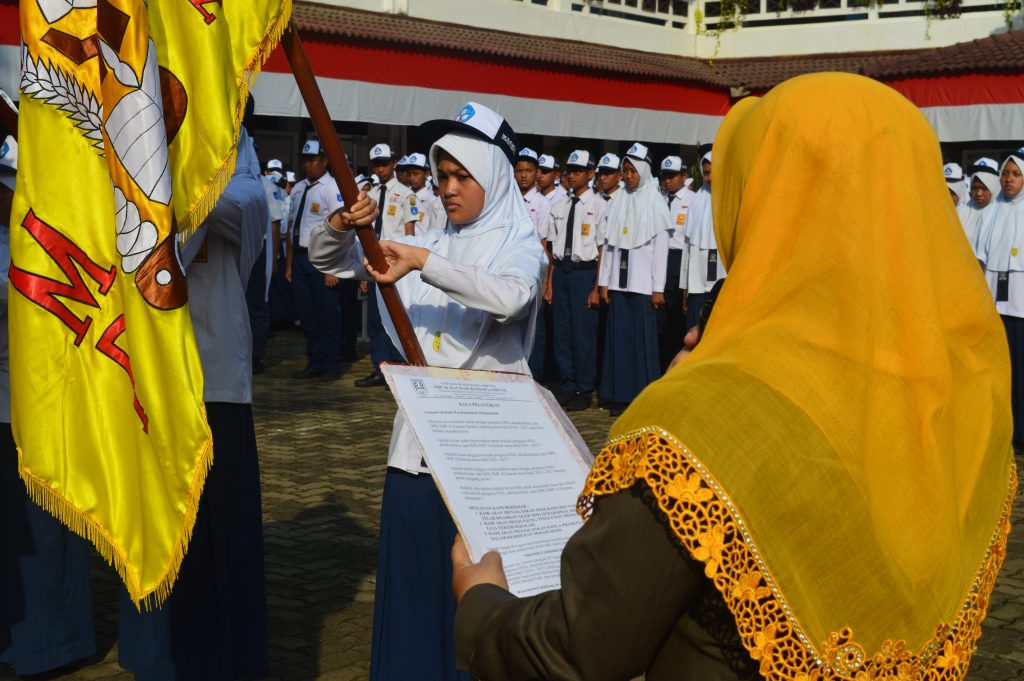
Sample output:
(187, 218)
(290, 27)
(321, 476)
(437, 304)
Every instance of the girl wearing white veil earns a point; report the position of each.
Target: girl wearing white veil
(984, 189)
(471, 290)
(632, 282)
(704, 268)
(1003, 256)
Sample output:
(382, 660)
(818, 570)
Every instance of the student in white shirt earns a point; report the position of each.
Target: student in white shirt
(471, 290)
(576, 234)
(672, 317)
(313, 199)
(526, 172)
(984, 188)
(1003, 257)
(703, 268)
(608, 179)
(547, 177)
(632, 282)
(417, 170)
(398, 216)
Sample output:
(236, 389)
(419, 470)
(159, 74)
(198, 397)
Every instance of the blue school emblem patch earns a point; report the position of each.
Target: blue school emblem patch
(467, 112)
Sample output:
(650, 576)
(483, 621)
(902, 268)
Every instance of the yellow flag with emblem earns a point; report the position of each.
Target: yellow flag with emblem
(129, 120)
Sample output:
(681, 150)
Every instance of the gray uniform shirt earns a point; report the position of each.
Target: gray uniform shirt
(218, 259)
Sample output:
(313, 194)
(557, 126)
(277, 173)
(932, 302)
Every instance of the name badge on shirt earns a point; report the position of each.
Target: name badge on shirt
(392, 210)
(680, 219)
(315, 208)
(1003, 287)
(585, 229)
(712, 265)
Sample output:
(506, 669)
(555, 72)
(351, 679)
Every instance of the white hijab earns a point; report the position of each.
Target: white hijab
(500, 239)
(973, 217)
(639, 214)
(1003, 231)
(700, 224)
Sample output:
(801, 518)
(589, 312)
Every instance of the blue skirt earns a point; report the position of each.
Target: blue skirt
(45, 589)
(414, 610)
(1015, 339)
(213, 625)
(631, 347)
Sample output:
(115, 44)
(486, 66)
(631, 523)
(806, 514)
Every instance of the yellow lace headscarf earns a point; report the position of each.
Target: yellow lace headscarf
(837, 450)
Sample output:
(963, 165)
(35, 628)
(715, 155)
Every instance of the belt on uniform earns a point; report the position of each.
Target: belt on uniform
(577, 265)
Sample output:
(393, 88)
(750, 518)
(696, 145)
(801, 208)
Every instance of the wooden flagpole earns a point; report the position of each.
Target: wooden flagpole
(324, 126)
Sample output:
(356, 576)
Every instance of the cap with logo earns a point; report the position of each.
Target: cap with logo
(528, 154)
(609, 162)
(380, 152)
(361, 180)
(953, 172)
(8, 162)
(579, 159)
(639, 152)
(476, 120)
(985, 164)
(403, 162)
(275, 164)
(672, 165)
(416, 161)
(547, 162)
(313, 148)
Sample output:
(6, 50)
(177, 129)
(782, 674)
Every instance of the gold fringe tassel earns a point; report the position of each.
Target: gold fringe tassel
(84, 525)
(191, 221)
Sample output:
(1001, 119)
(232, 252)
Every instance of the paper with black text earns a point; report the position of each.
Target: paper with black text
(507, 460)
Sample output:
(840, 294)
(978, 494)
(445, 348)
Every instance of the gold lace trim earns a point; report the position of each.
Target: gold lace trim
(712, 531)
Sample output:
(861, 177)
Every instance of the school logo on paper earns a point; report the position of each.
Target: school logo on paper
(419, 387)
(467, 112)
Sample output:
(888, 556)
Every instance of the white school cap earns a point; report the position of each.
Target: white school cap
(953, 172)
(477, 121)
(580, 158)
(609, 162)
(547, 162)
(639, 152)
(312, 148)
(275, 164)
(672, 165)
(380, 152)
(528, 154)
(417, 161)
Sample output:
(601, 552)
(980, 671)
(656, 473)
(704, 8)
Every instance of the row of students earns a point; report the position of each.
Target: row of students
(993, 219)
(614, 241)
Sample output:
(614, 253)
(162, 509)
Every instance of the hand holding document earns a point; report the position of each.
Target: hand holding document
(506, 459)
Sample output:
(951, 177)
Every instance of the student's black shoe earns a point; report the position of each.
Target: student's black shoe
(258, 367)
(308, 372)
(578, 402)
(615, 409)
(371, 381)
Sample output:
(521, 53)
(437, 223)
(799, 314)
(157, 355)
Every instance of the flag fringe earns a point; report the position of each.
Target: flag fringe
(191, 221)
(82, 523)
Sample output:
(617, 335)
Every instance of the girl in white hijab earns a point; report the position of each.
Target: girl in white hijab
(984, 188)
(632, 282)
(704, 267)
(471, 290)
(1003, 257)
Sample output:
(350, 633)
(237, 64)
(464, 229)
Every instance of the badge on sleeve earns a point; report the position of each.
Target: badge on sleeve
(341, 199)
(412, 200)
(415, 211)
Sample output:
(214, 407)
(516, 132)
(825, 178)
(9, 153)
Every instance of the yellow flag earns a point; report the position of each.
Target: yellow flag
(121, 102)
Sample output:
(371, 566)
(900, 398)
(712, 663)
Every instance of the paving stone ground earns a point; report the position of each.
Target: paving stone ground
(323, 448)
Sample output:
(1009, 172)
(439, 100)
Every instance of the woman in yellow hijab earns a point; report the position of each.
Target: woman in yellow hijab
(833, 460)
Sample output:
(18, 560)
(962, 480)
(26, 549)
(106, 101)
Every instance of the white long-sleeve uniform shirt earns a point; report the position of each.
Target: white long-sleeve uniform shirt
(646, 266)
(539, 207)
(482, 319)
(589, 226)
(323, 198)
